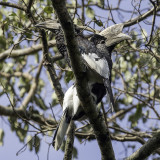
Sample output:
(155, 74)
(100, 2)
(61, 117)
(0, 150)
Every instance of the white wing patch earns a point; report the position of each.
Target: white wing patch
(76, 102)
(68, 98)
(100, 65)
(71, 101)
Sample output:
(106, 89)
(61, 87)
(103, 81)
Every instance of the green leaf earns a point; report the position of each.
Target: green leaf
(68, 76)
(39, 101)
(128, 75)
(22, 91)
(1, 66)
(136, 116)
(55, 99)
(138, 43)
(90, 12)
(129, 99)
(20, 135)
(1, 16)
(89, 1)
(101, 3)
(8, 67)
(144, 34)
(98, 22)
(2, 43)
(13, 14)
(30, 142)
(48, 9)
(134, 35)
(75, 152)
(1, 137)
(37, 143)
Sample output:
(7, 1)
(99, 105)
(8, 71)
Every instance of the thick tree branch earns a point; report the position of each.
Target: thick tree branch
(8, 4)
(50, 68)
(60, 95)
(69, 142)
(120, 113)
(26, 51)
(141, 17)
(102, 134)
(30, 3)
(32, 89)
(39, 119)
(17, 74)
(147, 149)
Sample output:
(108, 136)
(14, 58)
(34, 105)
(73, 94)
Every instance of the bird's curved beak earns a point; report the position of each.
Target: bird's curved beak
(50, 25)
(114, 35)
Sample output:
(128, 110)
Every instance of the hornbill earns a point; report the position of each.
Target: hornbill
(96, 54)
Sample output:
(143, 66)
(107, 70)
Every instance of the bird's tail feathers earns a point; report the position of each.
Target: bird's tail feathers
(61, 131)
(107, 84)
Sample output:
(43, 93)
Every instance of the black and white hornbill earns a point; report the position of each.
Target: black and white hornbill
(96, 53)
(72, 110)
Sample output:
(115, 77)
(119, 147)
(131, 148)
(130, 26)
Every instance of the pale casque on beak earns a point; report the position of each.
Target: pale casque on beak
(114, 35)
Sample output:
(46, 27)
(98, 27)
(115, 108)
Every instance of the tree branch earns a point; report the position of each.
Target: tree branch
(8, 4)
(148, 148)
(120, 113)
(32, 89)
(69, 142)
(102, 134)
(26, 51)
(50, 68)
(141, 17)
(8, 111)
(29, 5)
(17, 74)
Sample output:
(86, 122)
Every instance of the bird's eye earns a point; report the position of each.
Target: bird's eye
(102, 41)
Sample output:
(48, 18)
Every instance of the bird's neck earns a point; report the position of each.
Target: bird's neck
(110, 49)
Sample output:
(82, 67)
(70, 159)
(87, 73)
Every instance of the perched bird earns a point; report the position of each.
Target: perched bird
(72, 110)
(96, 53)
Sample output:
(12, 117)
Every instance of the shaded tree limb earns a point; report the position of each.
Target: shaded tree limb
(147, 149)
(26, 51)
(8, 4)
(120, 138)
(8, 111)
(39, 119)
(153, 22)
(29, 5)
(69, 142)
(120, 113)
(141, 17)
(97, 122)
(32, 88)
(50, 68)
(126, 24)
(17, 74)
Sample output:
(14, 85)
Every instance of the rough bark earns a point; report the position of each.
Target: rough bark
(99, 127)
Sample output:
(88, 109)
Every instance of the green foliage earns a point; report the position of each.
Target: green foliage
(90, 12)
(136, 116)
(135, 74)
(68, 76)
(98, 22)
(2, 42)
(75, 152)
(33, 143)
(1, 136)
(48, 9)
(40, 102)
(19, 128)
